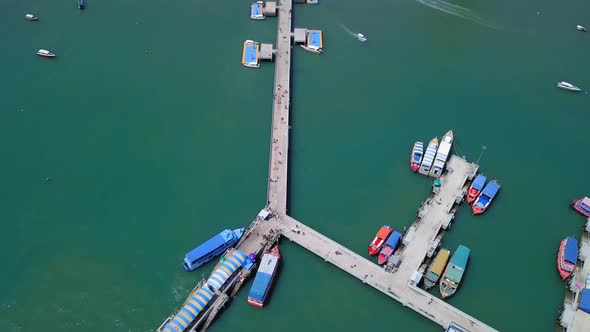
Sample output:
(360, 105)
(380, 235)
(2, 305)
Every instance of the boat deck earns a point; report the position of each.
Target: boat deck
(256, 11)
(577, 320)
(314, 39)
(251, 55)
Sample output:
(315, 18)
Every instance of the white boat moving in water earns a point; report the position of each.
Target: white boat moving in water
(581, 28)
(361, 37)
(568, 86)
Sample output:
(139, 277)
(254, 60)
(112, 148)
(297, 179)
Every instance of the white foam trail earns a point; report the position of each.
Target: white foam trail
(455, 10)
(347, 30)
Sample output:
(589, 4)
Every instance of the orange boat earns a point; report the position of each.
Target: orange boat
(380, 239)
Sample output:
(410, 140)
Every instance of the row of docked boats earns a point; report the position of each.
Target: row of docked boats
(385, 243)
(219, 244)
(432, 161)
(450, 273)
(480, 195)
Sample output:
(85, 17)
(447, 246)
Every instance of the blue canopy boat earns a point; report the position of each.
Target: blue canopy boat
(485, 198)
(476, 188)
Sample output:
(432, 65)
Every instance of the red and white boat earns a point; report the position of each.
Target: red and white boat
(567, 256)
(264, 277)
(416, 157)
(45, 53)
(582, 205)
(380, 239)
(476, 187)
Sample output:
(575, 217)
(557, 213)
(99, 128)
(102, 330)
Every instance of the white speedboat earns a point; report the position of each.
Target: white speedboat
(568, 86)
(312, 49)
(31, 17)
(45, 53)
(361, 37)
(581, 28)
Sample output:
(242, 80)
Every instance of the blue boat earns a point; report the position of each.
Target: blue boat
(476, 188)
(389, 247)
(212, 248)
(485, 198)
(264, 278)
(81, 4)
(454, 271)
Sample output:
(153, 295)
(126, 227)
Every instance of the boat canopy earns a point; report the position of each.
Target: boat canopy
(479, 182)
(571, 250)
(585, 300)
(211, 244)
(384, 232)
(231, 264)
(461, 256)
(586, 201)
(195, 304)
(491, 189)
(440, 261)
(394, 239)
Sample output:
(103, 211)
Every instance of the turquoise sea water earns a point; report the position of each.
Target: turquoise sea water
(151, 153)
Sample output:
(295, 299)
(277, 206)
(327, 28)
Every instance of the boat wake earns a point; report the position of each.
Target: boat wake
(350, 32)
(456, 10)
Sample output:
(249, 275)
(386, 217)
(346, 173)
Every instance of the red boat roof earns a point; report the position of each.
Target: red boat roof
(384, 232)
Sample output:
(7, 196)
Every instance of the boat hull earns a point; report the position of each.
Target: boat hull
(312, 50)
(575, 206)
(472, 195)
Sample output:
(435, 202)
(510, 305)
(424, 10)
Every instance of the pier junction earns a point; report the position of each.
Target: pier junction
(402, 273)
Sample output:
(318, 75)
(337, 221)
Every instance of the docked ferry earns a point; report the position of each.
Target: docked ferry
(567, 256)
(212, 248)
(484, 199)
(379, 239)
(442, 154)
(264, 277)
(435, 270)
(451, 279)
(416, 157)
(582, 205)
(475, 188)
(389, 247)
(429, 157)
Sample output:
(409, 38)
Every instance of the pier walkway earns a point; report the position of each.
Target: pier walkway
(396, 285)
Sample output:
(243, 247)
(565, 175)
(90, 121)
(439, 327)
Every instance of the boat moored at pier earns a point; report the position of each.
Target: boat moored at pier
(440, 160)
(212, 248)
(264, 277)
(416, 157)
(389, 247)
(567, 257)
(486, 197)
(379, 239)
(256, 11)
(453, 274)
(436, 269)
(475, 188)
(314, 43)
(582, 205)
(251, 54)
(429, 157)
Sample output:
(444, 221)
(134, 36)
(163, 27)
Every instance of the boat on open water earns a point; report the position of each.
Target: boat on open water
(453, 274)
(45, 53)
(567, 256)
(440, 160)
(361, 37)
(379, 240)
(436, 268)
(568, 86)
(485, 198)
(389, 247)
(31, 17)
(416, 157)
(211, 248)
(264, 277)
(81, 4)
(582, 205)
(429, 157)
(581, 28)
(475, 188)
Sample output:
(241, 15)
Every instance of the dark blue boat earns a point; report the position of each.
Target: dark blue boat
(484, 199)
(212, 248)
(81, 4)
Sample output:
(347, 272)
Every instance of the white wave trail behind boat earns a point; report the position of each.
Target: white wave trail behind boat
(348, 30)
(456, 10)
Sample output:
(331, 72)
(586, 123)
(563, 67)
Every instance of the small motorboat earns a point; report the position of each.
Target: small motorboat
(31, 17)
(568, 86)
(361, 37)
(416, 157)
(81, 4)
(45, 53)
(581, 28)
(476, 187)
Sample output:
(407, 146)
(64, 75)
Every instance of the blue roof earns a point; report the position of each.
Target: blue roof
(571, 250)
(461, 256)
(260, 286)
(314, 38)
(256, 10)
(251, 54)
(491, 189)
(585, 300)
(211, 244)
(393, 240)
(479, 182)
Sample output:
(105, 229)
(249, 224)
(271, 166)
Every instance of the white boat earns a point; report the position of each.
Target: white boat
(45, 53)
(442, 155)
(250, 54)
(31, 17)
(361, 37)
(581, 28)
(312, 49)
(429, 157)
(568, 86)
